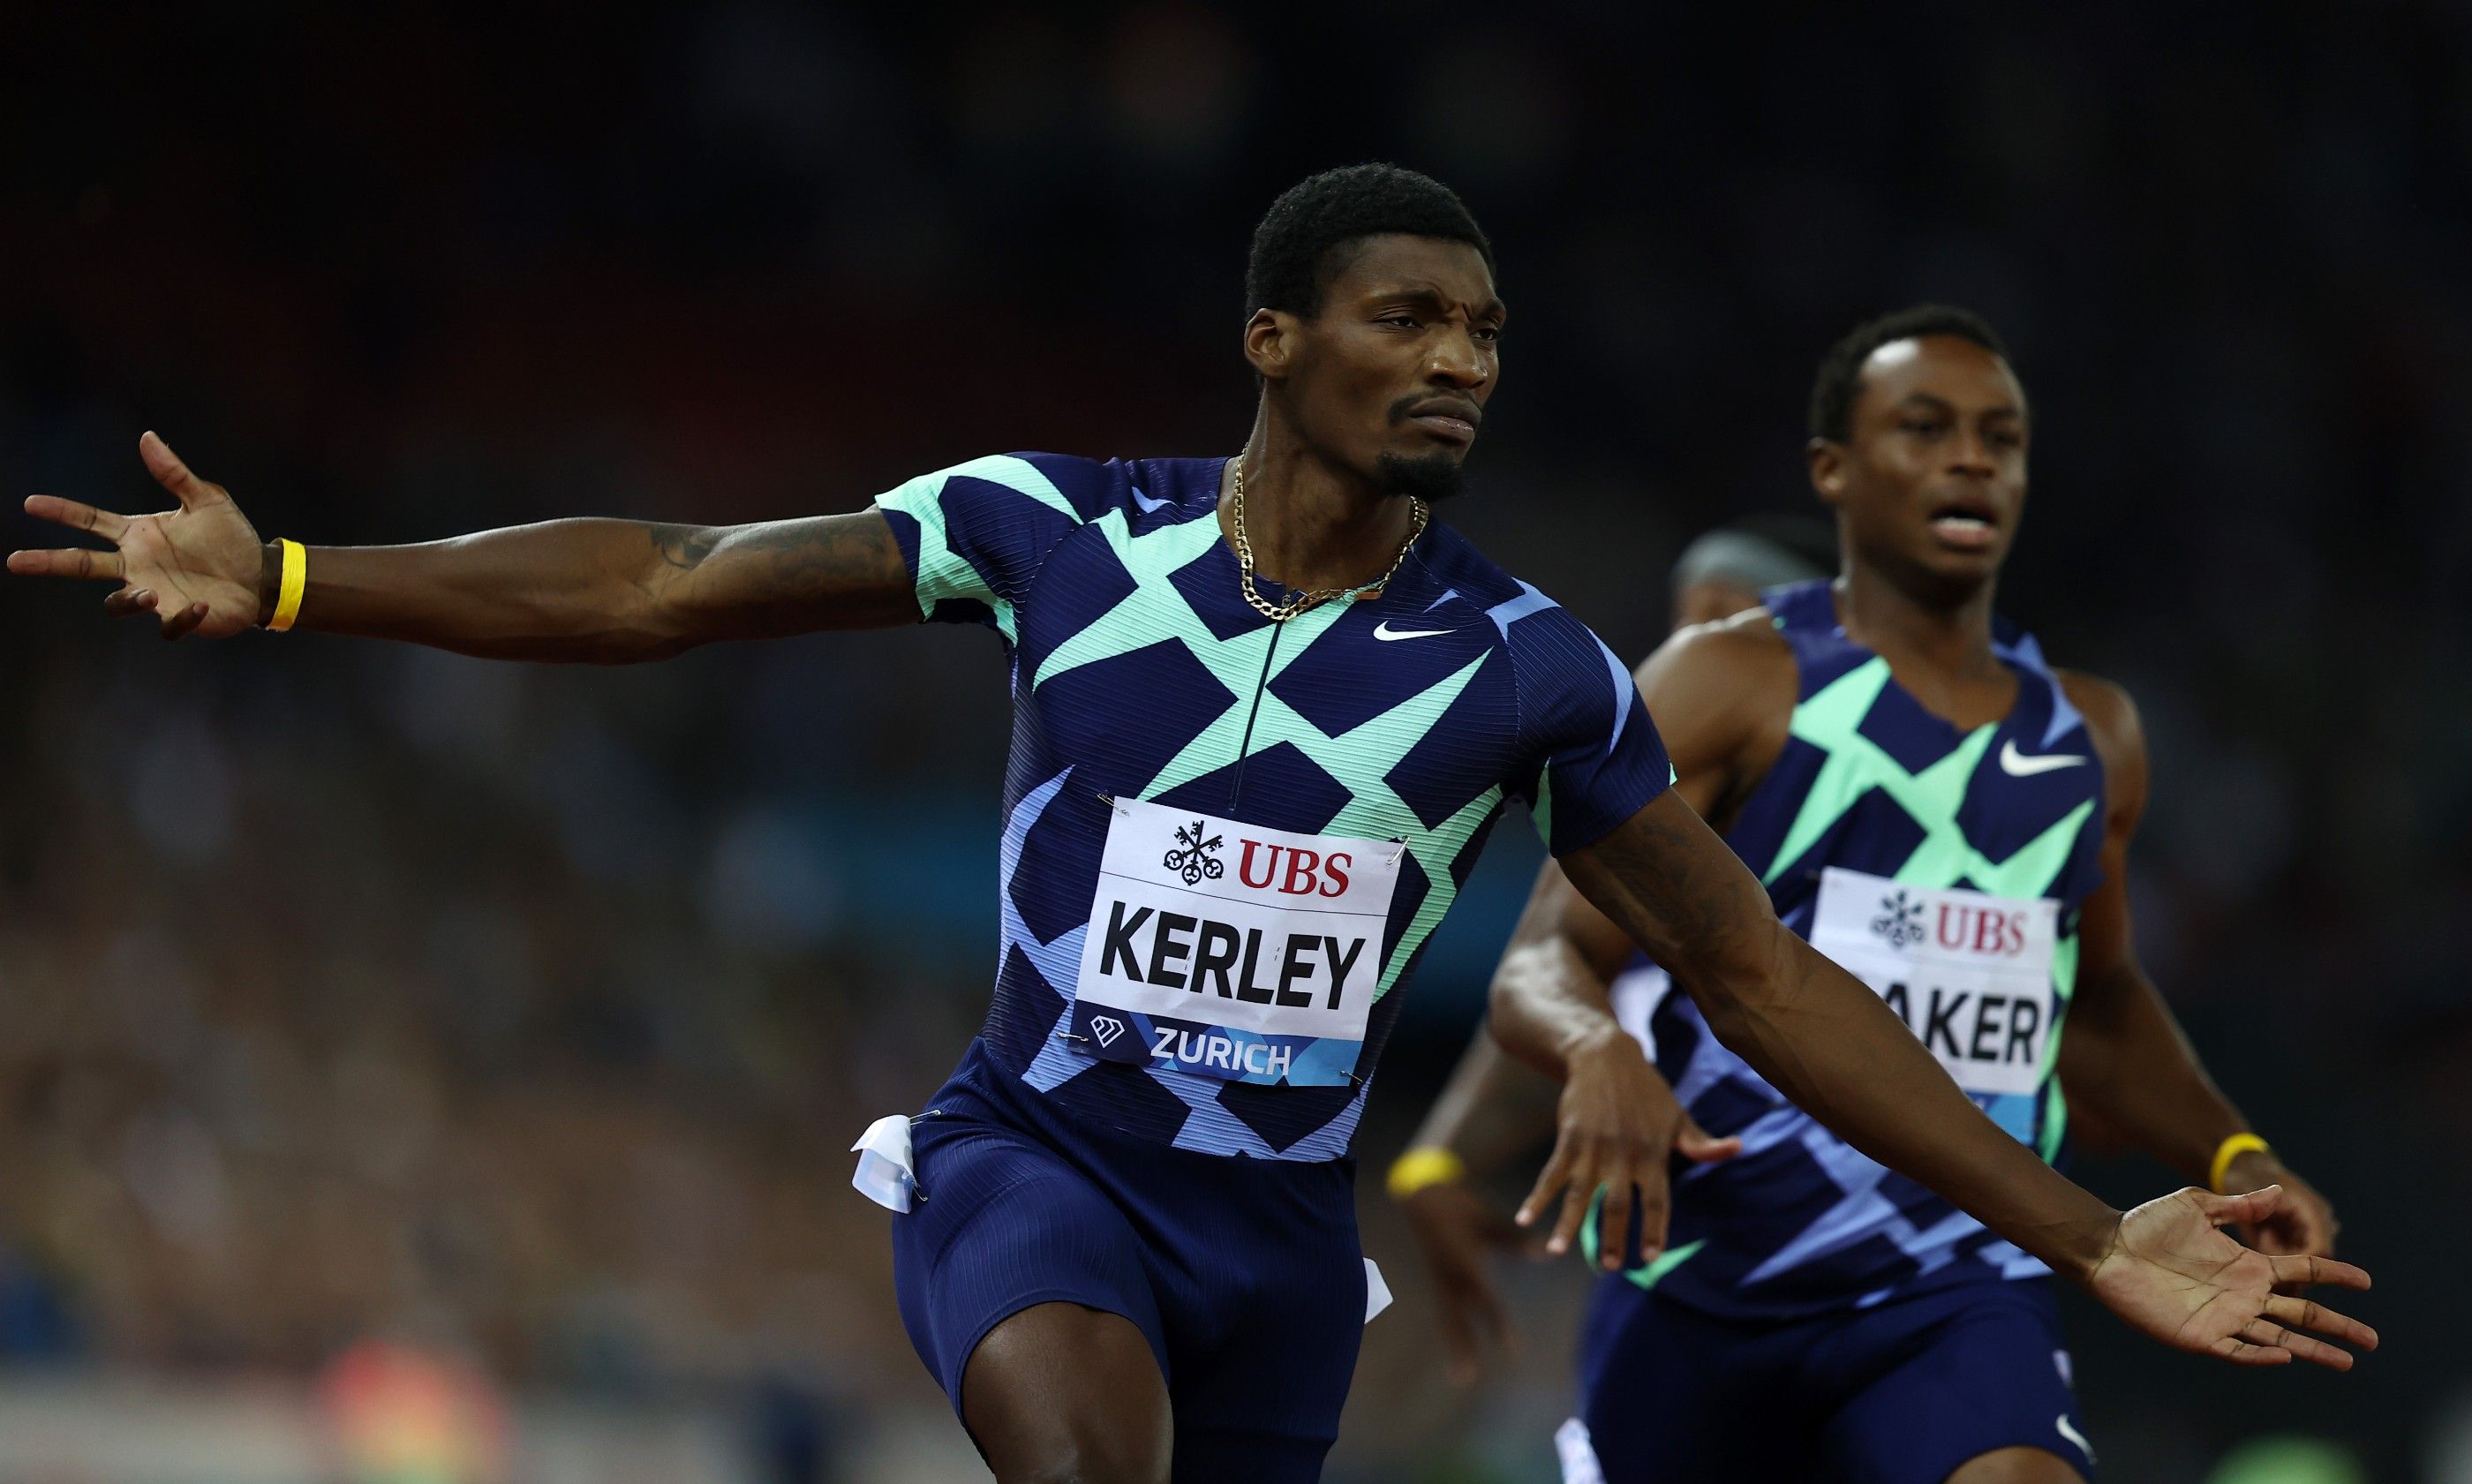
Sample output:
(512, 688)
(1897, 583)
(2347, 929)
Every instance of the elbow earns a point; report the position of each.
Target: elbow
(651, 625)
(1722, 1005)
(1740, 984)
(1527, 971)
(1502, 1005)
(617, 637)
(1510, 1005)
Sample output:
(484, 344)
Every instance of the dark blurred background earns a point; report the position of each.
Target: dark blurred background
(419, 1069)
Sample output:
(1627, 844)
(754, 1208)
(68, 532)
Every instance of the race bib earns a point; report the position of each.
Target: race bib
(1968, 973)
(1230, 950)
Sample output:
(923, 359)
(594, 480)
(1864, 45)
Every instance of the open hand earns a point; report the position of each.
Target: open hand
(197, 569)
(2172, 1275)
(1620, 1123)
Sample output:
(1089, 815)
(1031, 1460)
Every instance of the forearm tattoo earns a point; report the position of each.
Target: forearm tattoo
(782, 575)
(684, 547)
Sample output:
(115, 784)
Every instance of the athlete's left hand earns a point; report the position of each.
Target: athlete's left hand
(2303, 1224)
(2171, 1274)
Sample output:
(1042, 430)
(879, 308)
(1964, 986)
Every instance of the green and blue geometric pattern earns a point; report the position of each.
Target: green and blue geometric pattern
(1140, 671)
(1870, 781)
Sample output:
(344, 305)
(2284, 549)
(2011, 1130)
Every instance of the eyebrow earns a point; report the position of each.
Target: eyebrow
(1942, 404)
(1433, 298)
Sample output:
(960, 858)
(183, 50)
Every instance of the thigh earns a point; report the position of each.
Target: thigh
(2016, 1466)
(1058, 1391)
(1005, 1225)
(1263, 1336)
(1677, 1397)
(1983, 1385)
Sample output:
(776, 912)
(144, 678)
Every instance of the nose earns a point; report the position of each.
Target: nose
(1455, 359)
(1969, 455)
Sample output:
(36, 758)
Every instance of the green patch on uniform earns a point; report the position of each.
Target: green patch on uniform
(944, 573)
(1831, 720)
(1648, 1274)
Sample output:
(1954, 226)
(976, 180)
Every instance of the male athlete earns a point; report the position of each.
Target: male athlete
(1236, 809)
(1938, 810)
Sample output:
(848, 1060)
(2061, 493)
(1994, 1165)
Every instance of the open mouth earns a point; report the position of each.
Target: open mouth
(1963, 523)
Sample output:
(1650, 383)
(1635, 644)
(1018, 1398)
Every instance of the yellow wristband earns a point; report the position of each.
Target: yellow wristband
(2228, 1150)
(295, 582)
(1418, 1169)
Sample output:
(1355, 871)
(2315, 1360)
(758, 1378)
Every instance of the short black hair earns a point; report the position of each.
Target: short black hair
(1296, 246)
(1841, 370)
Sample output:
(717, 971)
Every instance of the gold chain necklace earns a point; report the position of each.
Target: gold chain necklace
(1280, 613)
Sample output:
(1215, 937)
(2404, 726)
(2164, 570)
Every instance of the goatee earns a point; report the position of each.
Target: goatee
(1432, 478)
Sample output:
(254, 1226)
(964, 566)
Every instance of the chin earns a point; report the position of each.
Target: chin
(1954, 575)
(1429, 477)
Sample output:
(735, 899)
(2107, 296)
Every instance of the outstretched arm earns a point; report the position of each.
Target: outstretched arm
(1816, 1032)
(1828, 1044)
(608, 591)
(2123, 1057)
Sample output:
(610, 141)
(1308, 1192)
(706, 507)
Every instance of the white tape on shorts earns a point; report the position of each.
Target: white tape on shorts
(884, 1174)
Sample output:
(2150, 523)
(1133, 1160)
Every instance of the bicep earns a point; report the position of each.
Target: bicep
(788, 577)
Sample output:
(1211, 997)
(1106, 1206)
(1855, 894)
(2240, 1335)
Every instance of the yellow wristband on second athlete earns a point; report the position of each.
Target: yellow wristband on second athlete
(295, 582)
(1418, 1169)
(2228, 1150)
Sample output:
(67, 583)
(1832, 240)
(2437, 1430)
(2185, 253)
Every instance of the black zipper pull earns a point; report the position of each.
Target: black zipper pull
(1245, 746)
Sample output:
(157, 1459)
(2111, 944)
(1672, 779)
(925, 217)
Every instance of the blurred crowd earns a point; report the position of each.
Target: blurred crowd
(523, 1015)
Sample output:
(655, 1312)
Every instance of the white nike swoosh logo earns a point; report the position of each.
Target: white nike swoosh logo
(1384, 630)
(2075, 1437)
(2016, 764)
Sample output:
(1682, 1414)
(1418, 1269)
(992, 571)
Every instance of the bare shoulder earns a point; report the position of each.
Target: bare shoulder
(1722, 694)
(2110, 716)
(1745, 650)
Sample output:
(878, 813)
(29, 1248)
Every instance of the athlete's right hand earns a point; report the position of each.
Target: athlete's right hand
(197, 569)
(1619, 1124)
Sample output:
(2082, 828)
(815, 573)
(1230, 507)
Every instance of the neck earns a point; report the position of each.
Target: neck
(1951, 633)
(1312, 523)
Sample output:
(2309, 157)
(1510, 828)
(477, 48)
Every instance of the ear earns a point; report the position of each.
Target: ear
(1271, 342)
(1827, 462)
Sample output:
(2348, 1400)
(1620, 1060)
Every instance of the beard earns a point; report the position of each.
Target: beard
(1429, 478)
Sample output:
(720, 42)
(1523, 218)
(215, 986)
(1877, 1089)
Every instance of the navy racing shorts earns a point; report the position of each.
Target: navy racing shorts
(1902, 1392)
(1244, 1275)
